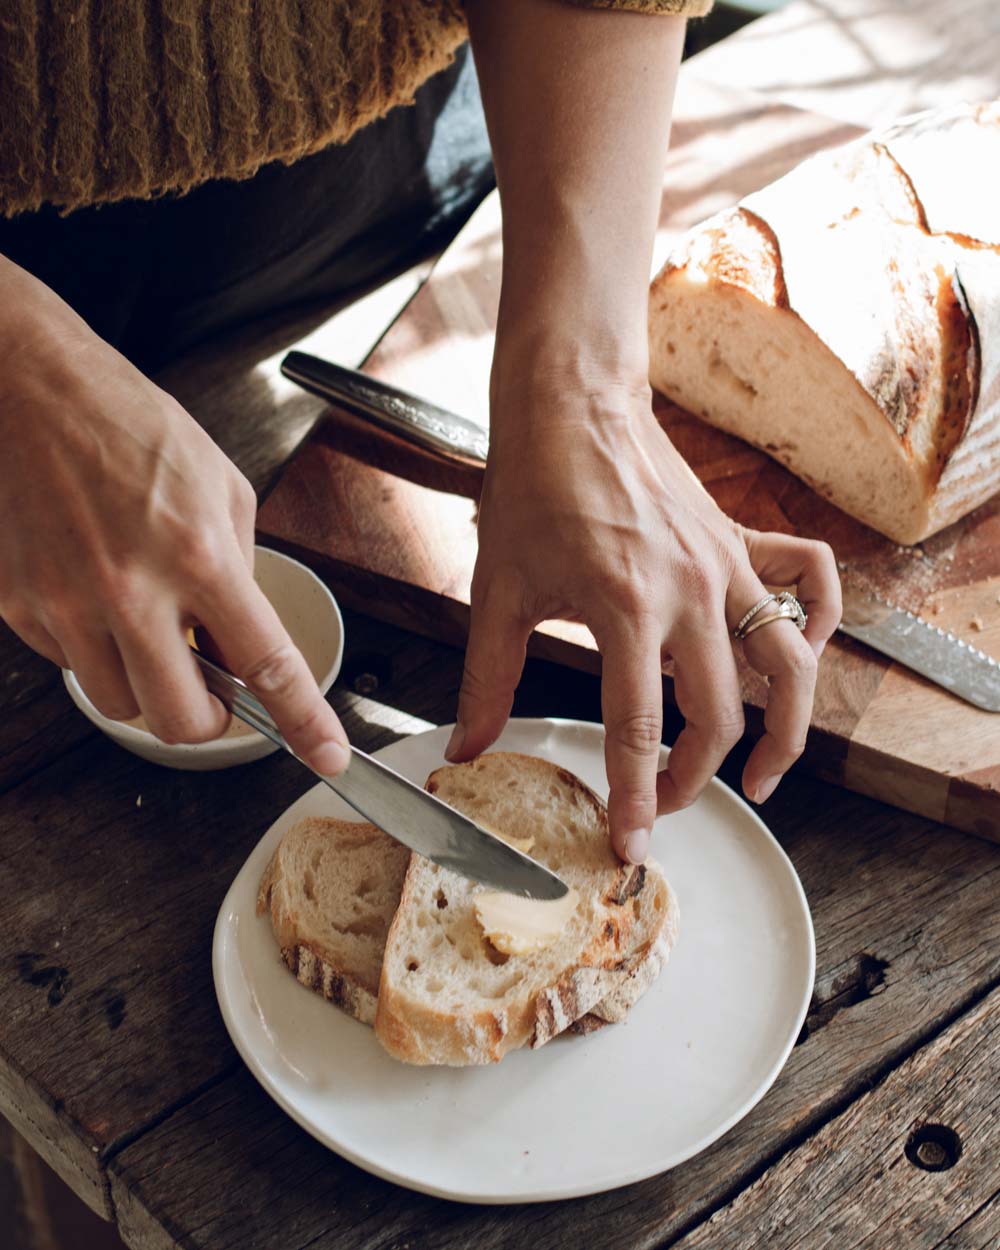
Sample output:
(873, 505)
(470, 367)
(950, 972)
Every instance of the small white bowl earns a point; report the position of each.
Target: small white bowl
(310, 614)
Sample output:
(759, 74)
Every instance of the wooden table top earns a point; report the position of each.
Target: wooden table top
(114, 1063)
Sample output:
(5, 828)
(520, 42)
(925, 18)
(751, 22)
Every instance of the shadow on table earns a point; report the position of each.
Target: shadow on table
(40, 1212)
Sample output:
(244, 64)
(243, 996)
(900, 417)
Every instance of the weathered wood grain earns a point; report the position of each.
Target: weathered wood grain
(866, 63)
(39, 723)
(980, 1232)
(908, 936)
(863, 1179)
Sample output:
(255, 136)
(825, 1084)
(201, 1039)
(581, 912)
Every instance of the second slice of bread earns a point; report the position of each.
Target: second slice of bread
(331, 889)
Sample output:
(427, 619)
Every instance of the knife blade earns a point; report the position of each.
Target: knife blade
(947, 660)
(943, 658)
(412, 418)
(403, 810)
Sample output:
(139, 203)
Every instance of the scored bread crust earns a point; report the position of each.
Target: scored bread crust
(422, 1027)
(844, 319)
(613, 992)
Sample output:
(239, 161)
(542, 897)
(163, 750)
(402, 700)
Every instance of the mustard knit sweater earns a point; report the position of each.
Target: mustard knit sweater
(110, 99)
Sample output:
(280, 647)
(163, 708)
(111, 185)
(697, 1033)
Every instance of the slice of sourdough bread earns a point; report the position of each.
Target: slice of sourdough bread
(446, 996)
(332, 888)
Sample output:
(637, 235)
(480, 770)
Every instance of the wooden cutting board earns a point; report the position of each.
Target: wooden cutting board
(393, 530)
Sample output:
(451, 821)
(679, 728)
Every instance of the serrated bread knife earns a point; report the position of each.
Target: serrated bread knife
(948, 661)
(955, 665)
(403, 810)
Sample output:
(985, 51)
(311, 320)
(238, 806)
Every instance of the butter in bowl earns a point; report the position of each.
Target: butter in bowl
(310, 614)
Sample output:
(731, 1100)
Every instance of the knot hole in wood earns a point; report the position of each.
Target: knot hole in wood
(365, 674)
(934, 1147)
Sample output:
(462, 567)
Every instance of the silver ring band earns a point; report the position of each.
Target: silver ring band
(787, 608)
(747, 617)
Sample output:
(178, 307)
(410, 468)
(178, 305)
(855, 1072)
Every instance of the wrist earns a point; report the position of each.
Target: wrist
(545, 376)
(48, 348)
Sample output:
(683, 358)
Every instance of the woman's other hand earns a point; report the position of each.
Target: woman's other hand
(124, 524)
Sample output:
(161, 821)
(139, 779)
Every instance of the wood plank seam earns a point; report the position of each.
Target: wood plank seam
(809, 1129)
(994, 1197)
(863, 980)
(153, 1122)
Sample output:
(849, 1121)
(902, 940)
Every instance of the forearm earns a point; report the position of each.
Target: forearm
(578, 105)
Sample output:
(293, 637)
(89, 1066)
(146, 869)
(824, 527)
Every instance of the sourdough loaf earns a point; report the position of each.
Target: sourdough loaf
(447, 996)
(846, 319)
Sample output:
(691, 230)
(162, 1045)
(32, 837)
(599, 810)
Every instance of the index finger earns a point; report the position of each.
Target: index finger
(257, 648)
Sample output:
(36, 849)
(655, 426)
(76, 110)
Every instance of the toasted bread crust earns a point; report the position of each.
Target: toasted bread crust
(342, 981)
(312, 970)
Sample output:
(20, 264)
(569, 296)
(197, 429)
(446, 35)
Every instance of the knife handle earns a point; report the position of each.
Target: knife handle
(414, 419)
(353, 785)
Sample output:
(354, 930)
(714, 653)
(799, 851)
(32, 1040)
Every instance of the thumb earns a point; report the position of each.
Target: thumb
(494, 661)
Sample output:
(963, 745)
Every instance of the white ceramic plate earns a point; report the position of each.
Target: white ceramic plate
(694, 1056)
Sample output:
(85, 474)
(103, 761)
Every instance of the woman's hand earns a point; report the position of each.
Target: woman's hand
(589, 513)
(123, 525)
(587, 510)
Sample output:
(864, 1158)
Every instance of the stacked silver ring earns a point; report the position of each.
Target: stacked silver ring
(785, 608)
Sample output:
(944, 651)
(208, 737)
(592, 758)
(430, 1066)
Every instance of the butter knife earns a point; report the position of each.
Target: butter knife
(402, 809)
(952, 663)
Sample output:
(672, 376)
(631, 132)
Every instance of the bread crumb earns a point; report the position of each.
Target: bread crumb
(976, 623)
(936, 609)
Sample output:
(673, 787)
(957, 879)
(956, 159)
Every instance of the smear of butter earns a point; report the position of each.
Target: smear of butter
(518, 926)
(523, 845)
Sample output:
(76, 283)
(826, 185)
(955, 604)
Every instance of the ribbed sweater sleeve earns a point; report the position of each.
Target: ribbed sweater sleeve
(106, 100)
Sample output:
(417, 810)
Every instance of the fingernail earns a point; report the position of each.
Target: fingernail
(455, 742)
(331, 757)
(636, 846)
(766, 788)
